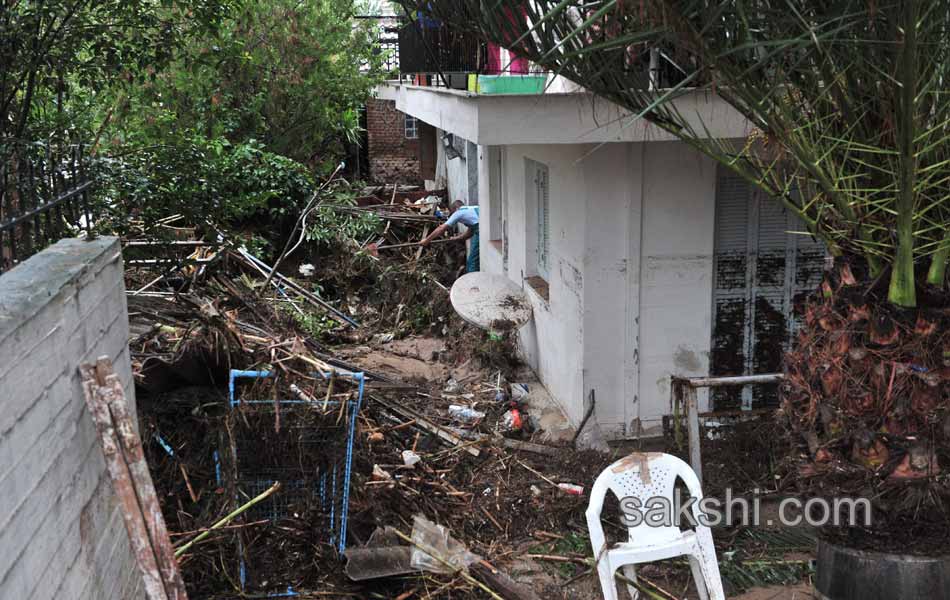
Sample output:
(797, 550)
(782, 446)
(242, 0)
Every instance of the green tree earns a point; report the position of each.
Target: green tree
(52, 50)
(287, 73)
(221, 109)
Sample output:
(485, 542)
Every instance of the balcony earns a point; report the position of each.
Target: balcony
(434, 55)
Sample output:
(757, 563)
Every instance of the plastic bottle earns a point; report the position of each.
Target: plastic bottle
(465, 414)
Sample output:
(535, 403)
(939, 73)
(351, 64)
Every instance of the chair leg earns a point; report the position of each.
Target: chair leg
(698, 577)
(608, 585)
(630, 572)
(710, 571)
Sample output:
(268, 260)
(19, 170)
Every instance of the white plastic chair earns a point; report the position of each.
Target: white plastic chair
(644, 476)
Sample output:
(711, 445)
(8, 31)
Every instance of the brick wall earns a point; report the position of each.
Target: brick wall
(392, 157)
(61, 533)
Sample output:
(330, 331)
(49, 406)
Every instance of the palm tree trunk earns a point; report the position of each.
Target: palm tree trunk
(938, 264)
(902, 290)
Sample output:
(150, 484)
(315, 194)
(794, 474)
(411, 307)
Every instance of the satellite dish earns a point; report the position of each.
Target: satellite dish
(492, 302)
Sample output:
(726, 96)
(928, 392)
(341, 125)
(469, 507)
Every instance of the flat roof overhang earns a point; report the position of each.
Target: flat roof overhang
(554, 118)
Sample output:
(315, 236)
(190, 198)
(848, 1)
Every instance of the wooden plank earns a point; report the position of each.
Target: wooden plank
(697, 382)
(426, 424)
(527, 446)
(500, 582)
(131, 443)
(122, 482)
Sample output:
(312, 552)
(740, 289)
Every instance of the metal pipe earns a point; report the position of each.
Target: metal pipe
(699, 382)
(169, 243)
(654, 69)
(684, 390)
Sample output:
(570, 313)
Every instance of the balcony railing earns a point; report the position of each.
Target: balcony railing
(431, 53)
(427, 47)
(387, 40)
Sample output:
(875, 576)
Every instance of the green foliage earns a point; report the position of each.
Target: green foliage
(290, 74)
(51, 49)
(220, 110)
(315, 325)
(203, 180)
(333, 222)
(329, 225)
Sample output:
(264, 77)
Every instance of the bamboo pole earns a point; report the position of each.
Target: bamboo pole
(236, 513)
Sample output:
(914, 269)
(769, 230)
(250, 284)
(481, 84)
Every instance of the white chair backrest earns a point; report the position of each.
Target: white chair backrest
(647, 475)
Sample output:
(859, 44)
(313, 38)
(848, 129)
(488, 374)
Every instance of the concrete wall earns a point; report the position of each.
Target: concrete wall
(629, 303)
(61, 533)
(457, 169)
(553, 342)
(612, 177)
(555, 118)
(676, 258)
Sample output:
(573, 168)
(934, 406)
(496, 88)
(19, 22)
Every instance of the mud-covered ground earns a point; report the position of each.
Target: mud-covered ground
(189, 329)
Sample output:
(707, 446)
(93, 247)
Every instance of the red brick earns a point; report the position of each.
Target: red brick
(392, 157)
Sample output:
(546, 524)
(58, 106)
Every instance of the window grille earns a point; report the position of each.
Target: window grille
(412, 128)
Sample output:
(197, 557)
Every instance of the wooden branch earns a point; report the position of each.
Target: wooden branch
(425, 424)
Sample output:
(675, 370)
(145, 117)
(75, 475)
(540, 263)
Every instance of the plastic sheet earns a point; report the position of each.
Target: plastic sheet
(431, 543)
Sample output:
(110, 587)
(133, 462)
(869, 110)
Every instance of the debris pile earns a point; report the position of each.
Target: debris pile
(446, 437)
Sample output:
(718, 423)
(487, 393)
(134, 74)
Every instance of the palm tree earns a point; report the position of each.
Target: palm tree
(850, 113)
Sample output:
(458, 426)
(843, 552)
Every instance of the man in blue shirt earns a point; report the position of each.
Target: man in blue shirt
(468, 216)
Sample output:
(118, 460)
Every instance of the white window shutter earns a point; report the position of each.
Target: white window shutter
(760, 267)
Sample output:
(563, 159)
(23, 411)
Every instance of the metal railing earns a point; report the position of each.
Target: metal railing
(387, 40)
(44, 197)
(429, 48)
(685, 399)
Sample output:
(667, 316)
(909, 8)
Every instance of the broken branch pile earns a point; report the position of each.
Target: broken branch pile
(441, 432)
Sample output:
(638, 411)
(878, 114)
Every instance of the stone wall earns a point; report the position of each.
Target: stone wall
(61, 533)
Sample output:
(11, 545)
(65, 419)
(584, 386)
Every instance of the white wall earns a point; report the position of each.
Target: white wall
(676, 259)
(491, 254)
(631, 273)
(611, 294)
(553, 342)
(456, 172)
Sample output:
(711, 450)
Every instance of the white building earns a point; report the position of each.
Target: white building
(641, 259)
